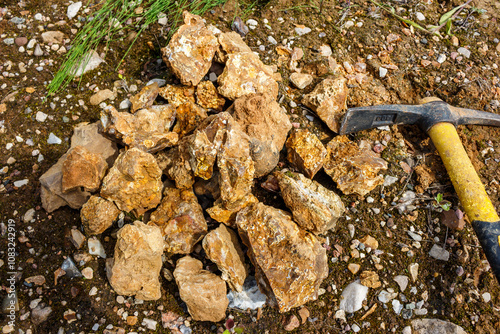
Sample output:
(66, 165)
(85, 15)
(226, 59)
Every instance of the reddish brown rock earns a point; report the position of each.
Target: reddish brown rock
(314, 207)
(147, 129)
(189, 116)
(98, 214)
(145, 98)
(328, 100)
(180, 219)
(290, 263)
(354, 170)
(203, 292)
(305, 151)
(208, 97)
(134, 182)
(244, 74)
(190, 50)
(223, 248)
(177, 95)
(83, 168)
(135, 268)
(267, 125)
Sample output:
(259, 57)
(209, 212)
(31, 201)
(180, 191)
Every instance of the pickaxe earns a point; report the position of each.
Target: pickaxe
(439, 120)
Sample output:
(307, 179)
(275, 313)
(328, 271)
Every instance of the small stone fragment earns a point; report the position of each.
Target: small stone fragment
(177, 95)
(292, 323)
(73, 9)
(145, 98)
(305, 151)
(301, 80)
(96, 248)
(328, 101)
(439, 253)
(203, 292)
(369, 241)
(208, 97)
(304, 314)
(353, 268)
(402, 281)
(77, 238)
(353, 296)
(101, 96)
(135, 268)
(55, 37)
(453, 219)
(370, 279)
(230, 43)
(413, 269)
(435, 326)
(83, 168)
(98, 214)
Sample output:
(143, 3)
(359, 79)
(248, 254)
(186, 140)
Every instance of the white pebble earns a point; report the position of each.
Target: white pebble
(53, 139)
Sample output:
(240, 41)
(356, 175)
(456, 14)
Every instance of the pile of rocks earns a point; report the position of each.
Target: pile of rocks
(208, 153)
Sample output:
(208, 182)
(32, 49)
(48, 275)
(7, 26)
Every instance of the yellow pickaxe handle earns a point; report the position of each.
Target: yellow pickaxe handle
(470, 191)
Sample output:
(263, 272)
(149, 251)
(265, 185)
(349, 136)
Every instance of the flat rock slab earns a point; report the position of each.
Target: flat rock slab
(435, 326)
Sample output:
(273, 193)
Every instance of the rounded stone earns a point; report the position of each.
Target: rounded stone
(20, 41)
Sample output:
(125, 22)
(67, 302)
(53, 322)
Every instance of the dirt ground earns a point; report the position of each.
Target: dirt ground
(373, 37)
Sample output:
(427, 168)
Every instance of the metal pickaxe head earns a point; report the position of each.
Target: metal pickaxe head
(439, 120)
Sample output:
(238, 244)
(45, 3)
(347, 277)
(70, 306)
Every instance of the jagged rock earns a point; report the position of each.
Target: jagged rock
(180, 219)
(177, 95)
(203, 292)
(175, 164)
(328, 100)
(290, 263)
(236, 167)
(190, 50)
(97, 214)
(145, 98)
(223, 248)
(52, 195)
(147, 129)
(223, 214)
(305, 151)
(231, 43)
(314, 207)
(435, 326)
(82, 168)
(86, 63)
(208, 188)
(135, 268)
(354, 170)
(189, 116)
(370, 279)
(301, 80)
(244, 74)
(134, 182)
(263, 120)
(208, 97)
(102, 96)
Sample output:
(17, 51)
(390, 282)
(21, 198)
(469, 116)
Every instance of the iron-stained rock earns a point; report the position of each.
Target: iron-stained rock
(354, 170)
(136, 266)
(328, 100)
(203, 292)
(82, 168)
(134, 182)
(290, 263)
(180, 219)
(263, 120)
(223, 248)
(231, 43)
(314, 207)
(190, 50)
(177, 95)
(189, 116)
(227, 214)
(145, 98)
(305, 151)
(244, 74)
(208, 97)
(175, 164)
(98, 214)
(147, 129)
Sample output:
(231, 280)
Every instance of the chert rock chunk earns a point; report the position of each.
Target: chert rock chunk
(134, 182)
(136, 266)
(177, 95)
(87, 136)
(190, 50)
(290, 263)
(223, 248)
(208, 97)
(305, 151)
(301, 80)
(147, 129)
(328, 100)
(314, 207)
(98, 214)
(246, 74)
(354, 170)
(231, 43)
(189, 116)
(203, 292)
(262, 119)
(175, 164)
(236, 167)
(180, 219)
(227, 214)
(83, 168)
(145, 98)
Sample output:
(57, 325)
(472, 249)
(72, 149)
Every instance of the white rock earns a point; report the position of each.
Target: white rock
(53, 139)
(389, 180)
(41, 116)
(302, 31)
(96, 248)
(435, 326)
(355, 328)
(340, 314)
(89, 62)
(149, 323)
(272, 40)
(382, 72)
(486, 297)
(38, 51)
(125, 104)
(93, 291)
(73, 9)
(38, 16)
(464, 52)
(162, 19)
(397, 306)
(29, 215)
(414, 236)
(413, 269)
(353, 296)
(252, 24)
(386, 296)
(325, 50)
(348, 24)
(31, 43)
(402, 281)
(420, 16)
(439, 253)
(249, 298)
(160, 82)
(406, 330)
(21, 183)
(442, 58)
(88, 273)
